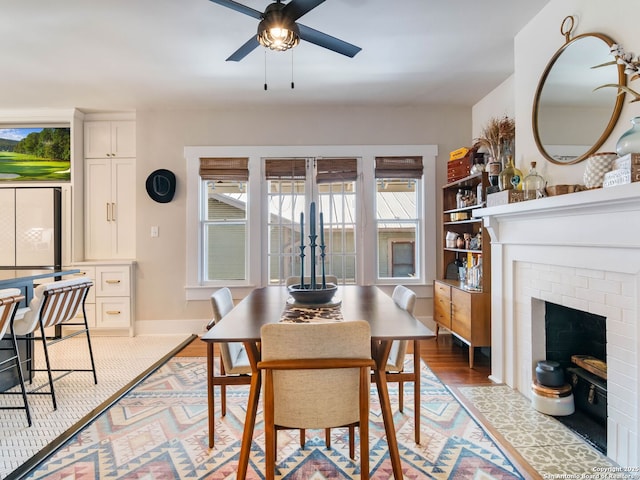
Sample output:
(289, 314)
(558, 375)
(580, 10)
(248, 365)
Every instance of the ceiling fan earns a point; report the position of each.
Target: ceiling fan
(278, 29)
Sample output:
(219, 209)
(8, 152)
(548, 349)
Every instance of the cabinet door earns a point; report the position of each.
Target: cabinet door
(442, 304)
(123, 208)
(7, 227)
(461, 313)
(97, 139)
(97, 231)
(123, 139)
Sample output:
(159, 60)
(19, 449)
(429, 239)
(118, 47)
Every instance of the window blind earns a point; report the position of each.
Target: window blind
(398, 167)
(336, 170)
(285, 168)
(233, 169)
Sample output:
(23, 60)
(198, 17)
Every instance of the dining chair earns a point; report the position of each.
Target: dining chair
(312, 383)
(235, 368)
(296, 280)
(57, 304)
(10, 298)
(405, 299)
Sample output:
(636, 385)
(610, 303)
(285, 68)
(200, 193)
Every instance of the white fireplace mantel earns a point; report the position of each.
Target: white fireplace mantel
(580, 250)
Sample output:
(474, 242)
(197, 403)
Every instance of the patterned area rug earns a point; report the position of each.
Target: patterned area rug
(159, 431)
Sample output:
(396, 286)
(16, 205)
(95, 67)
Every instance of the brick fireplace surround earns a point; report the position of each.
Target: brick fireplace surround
(580, 250)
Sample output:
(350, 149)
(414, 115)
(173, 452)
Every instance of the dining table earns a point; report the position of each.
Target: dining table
(270, 304)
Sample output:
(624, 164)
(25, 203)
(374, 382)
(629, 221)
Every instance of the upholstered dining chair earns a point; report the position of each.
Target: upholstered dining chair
(405, 299)
(312, 383)
(9, 301)
(296, 280)
(53, 304)
(235, 368)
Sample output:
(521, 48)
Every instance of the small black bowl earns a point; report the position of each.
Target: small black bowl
(310, 296)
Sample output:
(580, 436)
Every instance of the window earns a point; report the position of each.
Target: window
(398, 216)
(224, 218)
(286, 200)
(337, 196)
(290, 190)
(243, 214)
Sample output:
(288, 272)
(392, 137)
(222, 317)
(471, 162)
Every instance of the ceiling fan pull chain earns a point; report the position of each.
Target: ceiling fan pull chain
(292, 84)
(265, 70)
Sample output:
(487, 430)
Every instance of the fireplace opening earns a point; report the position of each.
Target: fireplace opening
(577, 341)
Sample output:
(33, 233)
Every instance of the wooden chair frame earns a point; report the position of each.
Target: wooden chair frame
(363, 364)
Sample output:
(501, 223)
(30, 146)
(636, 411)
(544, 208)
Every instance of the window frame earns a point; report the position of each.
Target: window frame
(195, 289)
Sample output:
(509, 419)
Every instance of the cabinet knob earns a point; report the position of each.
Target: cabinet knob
(113, 312)
(113, 281)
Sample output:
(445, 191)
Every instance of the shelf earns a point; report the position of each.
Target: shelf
(471, 220)
(465, 209)
(462, 250)
(469, 181)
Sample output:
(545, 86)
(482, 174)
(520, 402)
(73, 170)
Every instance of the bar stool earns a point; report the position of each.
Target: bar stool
(9, 300)
(54, 304)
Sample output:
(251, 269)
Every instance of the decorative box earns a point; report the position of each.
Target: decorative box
(631, 163)
(457, 169)
(504, 197)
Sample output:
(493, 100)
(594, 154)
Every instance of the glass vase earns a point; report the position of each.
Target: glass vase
(510, 177)
(629, 141)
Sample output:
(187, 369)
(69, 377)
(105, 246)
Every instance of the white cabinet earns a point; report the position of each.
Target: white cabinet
(110, 139)
(110, 206)
(109, 303)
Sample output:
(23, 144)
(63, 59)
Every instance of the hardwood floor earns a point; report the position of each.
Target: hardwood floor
(448, 358)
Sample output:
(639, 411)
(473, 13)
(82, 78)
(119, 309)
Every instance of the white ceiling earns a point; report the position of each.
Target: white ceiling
(146, 54)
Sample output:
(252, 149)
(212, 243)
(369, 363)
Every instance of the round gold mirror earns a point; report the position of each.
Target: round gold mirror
(571, 119)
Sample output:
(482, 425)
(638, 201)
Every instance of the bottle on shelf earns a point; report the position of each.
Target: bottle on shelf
(533, 184)
(459, 198)
(510, 177)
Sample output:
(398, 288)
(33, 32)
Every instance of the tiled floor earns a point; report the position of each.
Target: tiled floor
(118, 361)
(543, 442)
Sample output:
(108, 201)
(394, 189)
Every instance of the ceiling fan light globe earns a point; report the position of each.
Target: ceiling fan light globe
(278, 32)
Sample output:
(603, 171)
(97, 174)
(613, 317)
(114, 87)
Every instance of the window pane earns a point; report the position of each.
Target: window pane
(338, 206)
(225, 244)
(397, 226)
(286, 200)
(224, 230)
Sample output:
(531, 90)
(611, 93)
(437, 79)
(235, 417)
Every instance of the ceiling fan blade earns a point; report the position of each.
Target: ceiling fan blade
(244, 50)
(327, 41)
(297, 8)
(238, 7)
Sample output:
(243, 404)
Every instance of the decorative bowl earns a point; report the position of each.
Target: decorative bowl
(317, 296)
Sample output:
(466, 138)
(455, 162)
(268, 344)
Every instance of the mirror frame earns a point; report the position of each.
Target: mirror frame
(615, 115)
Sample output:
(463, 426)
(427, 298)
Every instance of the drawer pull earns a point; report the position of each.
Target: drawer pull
(113, 281)
(113, 312)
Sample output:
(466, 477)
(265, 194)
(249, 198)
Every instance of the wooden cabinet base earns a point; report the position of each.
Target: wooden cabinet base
(466, 314)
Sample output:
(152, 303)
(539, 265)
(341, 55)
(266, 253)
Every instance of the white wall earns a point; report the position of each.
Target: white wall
(535, 44)
(538, 42)
(162, 136)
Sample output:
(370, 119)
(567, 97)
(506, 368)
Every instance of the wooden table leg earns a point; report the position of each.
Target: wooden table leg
(210, 393)
(416, 392)
(380, 353)
(252, 408)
